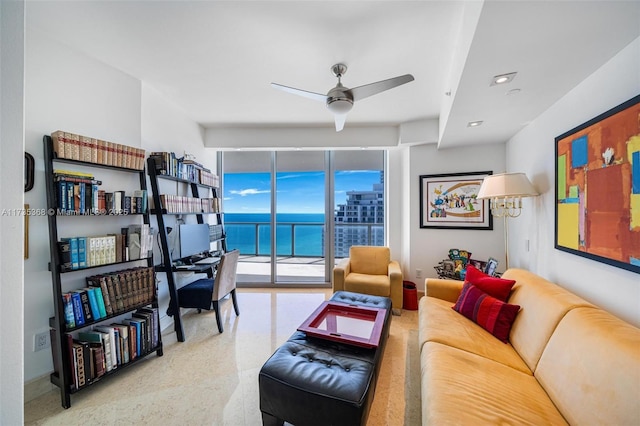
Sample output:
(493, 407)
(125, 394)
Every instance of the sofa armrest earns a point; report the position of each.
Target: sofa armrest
(395, 282)
(443, 289)
(340, 272)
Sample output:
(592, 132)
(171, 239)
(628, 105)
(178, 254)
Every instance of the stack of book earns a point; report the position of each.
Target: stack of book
(107, 295)
(96, 352)
(132, 243)
(168, 164)
(78, 193)
(215, 232)
(181, 204)
(91, 150)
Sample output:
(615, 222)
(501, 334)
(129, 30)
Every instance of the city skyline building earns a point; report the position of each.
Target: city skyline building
(360, 221)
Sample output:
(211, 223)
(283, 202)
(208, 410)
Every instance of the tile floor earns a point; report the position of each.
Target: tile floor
(212, 378)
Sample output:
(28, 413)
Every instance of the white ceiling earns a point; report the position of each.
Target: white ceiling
(216, 59)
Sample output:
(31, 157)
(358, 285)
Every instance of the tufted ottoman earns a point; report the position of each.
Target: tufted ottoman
(312, 381)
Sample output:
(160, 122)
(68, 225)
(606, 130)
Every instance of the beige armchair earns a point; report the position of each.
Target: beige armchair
(370, 270)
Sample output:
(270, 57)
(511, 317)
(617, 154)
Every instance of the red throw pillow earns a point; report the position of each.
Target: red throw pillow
(493, 286)
(488, 312)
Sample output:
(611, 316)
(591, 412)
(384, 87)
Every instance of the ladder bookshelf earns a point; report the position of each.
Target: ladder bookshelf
(193, 205)
(138, 300)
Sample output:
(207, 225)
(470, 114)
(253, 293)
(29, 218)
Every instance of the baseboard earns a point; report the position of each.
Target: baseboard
(38, 387)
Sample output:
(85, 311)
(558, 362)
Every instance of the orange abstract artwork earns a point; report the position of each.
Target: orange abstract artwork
(598, 188)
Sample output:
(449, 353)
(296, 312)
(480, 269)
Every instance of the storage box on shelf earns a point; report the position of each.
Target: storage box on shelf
(110, 321)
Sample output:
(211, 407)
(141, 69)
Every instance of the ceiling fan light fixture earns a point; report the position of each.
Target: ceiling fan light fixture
(339, 106)
(503, 78)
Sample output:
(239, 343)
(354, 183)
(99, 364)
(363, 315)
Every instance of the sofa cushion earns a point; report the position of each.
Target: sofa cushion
(543, 306)
(462, 388)
(591, 369)
(488, 312)
(376, 285)
(493, 286)
(439, 323)
(371, 260)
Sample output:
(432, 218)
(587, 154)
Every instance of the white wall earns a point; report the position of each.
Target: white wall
(87, 97)
(166, 128)
(429, 246)
(11, 221)
(532, 151)
(66, 91)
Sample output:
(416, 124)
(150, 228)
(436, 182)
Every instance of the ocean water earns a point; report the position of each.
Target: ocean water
(251, 233)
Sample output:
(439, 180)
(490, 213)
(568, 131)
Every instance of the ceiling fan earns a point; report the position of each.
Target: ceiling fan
(340, 99)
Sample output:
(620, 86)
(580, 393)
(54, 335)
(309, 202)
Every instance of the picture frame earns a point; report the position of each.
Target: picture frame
(448, 201)
(480, 265)
(492, 265)
(597, 188)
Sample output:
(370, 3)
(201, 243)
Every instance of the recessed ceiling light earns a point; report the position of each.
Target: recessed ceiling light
(513, 92)
(474, 123)
(503, 78)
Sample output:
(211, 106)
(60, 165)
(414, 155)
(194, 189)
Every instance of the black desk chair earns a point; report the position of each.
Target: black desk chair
(206, 293)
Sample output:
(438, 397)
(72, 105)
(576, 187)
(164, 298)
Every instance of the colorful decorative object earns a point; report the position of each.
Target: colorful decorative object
(449, 201)
(598, 188)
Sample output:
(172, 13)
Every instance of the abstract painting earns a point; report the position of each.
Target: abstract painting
(598, 188)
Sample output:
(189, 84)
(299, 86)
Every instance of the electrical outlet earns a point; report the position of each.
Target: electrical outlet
(418, 273)
(41, 341)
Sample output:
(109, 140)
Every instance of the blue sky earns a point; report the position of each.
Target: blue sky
(298, 192)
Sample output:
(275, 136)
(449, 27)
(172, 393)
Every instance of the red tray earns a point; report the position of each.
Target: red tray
(344, 323)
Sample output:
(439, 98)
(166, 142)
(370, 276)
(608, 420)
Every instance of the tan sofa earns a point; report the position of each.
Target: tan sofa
(568, 362)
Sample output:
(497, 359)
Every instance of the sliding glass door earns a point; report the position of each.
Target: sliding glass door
(292, 213)
(246, 183)
(300, 216)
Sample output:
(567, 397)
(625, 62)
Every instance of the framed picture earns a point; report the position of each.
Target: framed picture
(449, 201)
(492, 265)
(478, 264)
(597, 203)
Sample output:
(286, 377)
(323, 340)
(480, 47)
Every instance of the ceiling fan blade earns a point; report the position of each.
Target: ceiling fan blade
(367, 90)
(340, 119)
(311, 95)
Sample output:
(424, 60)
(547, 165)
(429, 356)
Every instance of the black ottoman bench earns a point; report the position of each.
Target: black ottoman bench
(313, 381)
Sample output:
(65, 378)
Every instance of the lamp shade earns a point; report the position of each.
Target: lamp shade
(506, 185)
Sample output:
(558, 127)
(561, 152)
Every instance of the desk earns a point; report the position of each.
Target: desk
(203, 268)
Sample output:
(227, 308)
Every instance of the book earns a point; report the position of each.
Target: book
(110, 331)
(59, 143)
(140, 195)
(73, 250)
(123, 330)
(154, 323)
(86, 306)
(83, 362)
(100, 281)
(64, 255)
(69, 317)
(78, 312)
(98, 365)
(119, 292)
(100, 299)
(118, 202)
(82, 252)
(138, 324)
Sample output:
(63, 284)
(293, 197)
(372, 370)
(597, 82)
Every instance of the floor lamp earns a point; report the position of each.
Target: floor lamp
(505, 192)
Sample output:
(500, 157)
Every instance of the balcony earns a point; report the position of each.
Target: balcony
(300, 248)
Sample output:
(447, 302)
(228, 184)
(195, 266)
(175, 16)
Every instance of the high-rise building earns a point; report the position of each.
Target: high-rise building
(361, 220)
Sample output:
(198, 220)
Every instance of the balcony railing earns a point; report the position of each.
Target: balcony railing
(300, 239)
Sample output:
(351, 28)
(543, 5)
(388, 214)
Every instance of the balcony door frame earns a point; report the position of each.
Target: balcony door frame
(329, 247)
